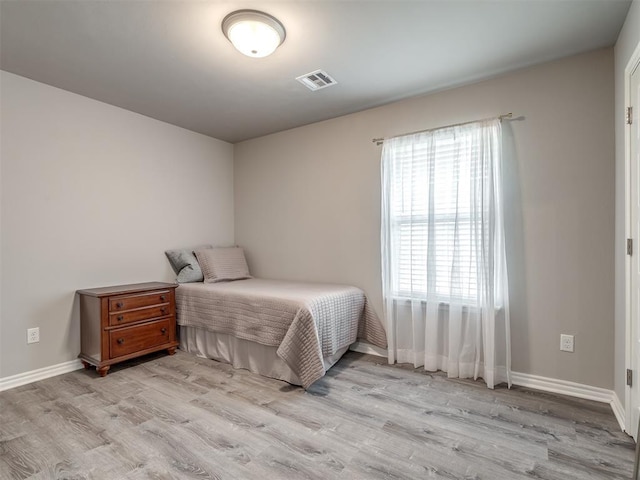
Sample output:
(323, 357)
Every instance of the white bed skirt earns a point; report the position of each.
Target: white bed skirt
(245, 354)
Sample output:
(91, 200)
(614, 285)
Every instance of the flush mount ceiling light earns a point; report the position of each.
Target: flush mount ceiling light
(253, 33)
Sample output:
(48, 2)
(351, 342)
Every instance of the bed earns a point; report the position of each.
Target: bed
(291, 331)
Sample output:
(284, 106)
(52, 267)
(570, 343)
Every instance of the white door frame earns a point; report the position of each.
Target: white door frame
(629, 343)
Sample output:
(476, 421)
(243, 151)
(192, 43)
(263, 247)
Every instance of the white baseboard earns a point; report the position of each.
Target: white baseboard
(618, 410)
(572, 389)
(362, 347)
(562, 387)
(40, 374)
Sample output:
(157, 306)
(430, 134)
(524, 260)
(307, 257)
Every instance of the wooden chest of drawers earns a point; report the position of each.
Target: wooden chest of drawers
(126, 321)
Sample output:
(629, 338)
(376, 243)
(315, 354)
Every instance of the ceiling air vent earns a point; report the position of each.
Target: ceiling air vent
(316, 80)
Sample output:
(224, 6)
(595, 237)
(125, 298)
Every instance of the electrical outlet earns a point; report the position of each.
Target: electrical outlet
(33, 335)
(566, 343)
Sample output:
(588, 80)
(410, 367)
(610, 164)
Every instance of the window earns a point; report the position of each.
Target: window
(444, 270)
(437, 210)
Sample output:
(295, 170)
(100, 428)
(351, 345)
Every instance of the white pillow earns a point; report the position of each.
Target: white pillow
(222, 264)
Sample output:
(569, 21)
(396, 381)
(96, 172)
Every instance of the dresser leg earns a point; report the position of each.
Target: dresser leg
(86, 365)
(103, 370)
(171, 350)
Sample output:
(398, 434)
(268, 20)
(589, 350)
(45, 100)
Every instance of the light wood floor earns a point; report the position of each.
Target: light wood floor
(184, 417)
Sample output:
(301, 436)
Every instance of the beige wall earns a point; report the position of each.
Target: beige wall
(627, 42)
(307, 204)
(92, 195)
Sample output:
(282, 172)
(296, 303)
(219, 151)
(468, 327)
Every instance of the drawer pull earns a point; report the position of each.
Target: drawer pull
(120, 341)
(119, 305)
(120, 318)
(163, 310)
(163, 330)
(163, 298)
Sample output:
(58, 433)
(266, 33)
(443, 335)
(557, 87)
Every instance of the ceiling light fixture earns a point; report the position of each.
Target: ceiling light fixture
(253, 33)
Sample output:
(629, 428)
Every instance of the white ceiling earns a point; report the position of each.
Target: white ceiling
(169, 59)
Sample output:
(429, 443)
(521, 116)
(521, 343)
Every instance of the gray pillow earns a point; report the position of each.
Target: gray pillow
(222, 264)
(185, 264)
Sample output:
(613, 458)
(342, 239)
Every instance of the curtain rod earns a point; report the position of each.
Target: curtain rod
(380, 141)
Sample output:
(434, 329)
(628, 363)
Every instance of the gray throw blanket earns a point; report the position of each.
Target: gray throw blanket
(305, 321)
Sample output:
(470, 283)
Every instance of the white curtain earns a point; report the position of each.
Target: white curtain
(443, 252)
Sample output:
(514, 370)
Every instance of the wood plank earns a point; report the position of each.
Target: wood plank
(187, 417)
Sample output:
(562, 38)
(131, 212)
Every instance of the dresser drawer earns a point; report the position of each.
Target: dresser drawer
(123, 341)
(118, 304)
(130, 316)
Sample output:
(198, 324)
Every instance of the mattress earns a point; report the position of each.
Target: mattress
(306, 322)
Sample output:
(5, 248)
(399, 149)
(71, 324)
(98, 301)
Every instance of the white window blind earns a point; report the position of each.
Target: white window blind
(434, 186)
